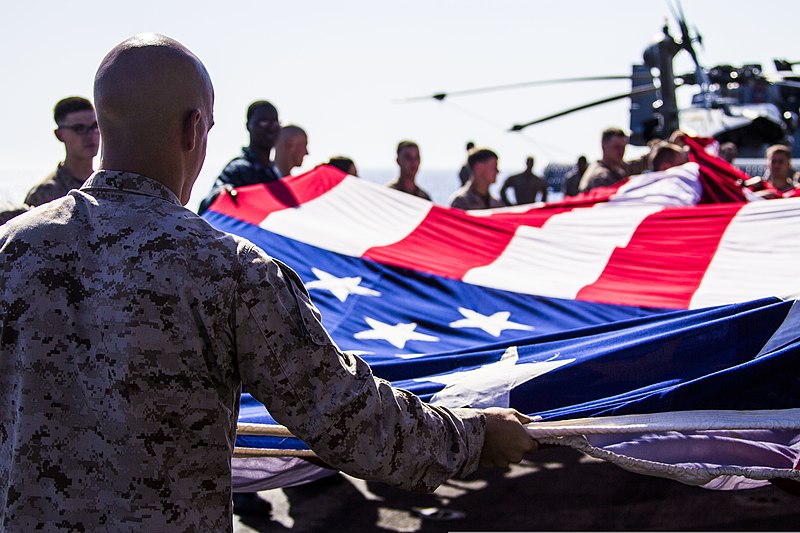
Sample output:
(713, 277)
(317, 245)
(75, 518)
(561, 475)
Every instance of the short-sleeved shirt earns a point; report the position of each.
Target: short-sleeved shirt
(527, 187)
(466, 198)
(55, 185)
(243, 170)
(130, 326)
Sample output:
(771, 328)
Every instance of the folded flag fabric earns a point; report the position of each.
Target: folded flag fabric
(630, 301)
(670, 445)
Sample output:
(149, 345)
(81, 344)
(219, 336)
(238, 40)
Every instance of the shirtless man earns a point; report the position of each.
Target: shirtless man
(527, 186)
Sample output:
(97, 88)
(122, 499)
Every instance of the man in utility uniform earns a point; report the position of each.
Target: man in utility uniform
(130, 325)
(610, 169)
(77, 130)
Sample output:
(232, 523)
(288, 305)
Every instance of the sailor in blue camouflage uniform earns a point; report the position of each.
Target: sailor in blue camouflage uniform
(129, 326)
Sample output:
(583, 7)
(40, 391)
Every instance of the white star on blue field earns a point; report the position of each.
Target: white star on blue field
(388, 312)
(341, 288)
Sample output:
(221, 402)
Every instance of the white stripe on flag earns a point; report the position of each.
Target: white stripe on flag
(569, 252)
(351, 218)
(757, 256)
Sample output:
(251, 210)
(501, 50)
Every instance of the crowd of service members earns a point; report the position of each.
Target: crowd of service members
(275, 150)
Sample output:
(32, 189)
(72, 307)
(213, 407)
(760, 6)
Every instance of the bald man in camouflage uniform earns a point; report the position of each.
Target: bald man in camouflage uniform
(129, 326)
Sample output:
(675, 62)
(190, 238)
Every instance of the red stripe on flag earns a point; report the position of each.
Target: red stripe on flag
(720, 179)
(253, 203)
(449, 242)
(534, 218)
(665, 260)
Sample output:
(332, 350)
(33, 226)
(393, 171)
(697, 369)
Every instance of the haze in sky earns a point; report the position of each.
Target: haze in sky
(339, 69)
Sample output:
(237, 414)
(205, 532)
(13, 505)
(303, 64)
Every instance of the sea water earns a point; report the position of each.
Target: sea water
(439, 183)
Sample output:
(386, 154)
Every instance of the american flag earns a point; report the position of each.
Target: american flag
(661, 309)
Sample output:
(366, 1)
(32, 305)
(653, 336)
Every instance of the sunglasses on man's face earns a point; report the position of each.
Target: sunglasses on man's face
(81, 129)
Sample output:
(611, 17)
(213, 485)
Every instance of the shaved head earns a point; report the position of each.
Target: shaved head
(291, 149)
(154, 101)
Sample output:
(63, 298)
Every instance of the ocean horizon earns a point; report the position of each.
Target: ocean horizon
(439, 183)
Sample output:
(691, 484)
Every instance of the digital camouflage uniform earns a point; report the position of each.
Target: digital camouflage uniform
(56, 185)
(599, 174)
(129, 326)
(466, 198)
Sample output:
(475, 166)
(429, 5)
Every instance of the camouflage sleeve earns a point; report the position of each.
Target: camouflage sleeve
(331, 400)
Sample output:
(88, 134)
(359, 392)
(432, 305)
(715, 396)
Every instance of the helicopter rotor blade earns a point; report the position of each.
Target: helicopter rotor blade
(787, 83)
(686, 37)
(699, 38)
(780, 76)
(701, 75)
(672, 11)
(441, 96)
(635, 92)
(784, 65)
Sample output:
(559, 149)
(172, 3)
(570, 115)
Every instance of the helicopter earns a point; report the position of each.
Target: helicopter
(740, 104)
(735, 104)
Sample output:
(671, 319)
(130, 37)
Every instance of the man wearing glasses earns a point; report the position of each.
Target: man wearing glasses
(77, 129)
(255, 165)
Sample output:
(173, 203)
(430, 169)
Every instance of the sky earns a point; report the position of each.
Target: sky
(339, 69)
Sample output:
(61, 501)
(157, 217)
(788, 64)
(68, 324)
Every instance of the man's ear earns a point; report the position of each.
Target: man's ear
(57, 133)
(191, 129)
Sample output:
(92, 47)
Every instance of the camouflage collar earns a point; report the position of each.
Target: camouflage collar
(130, 182)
